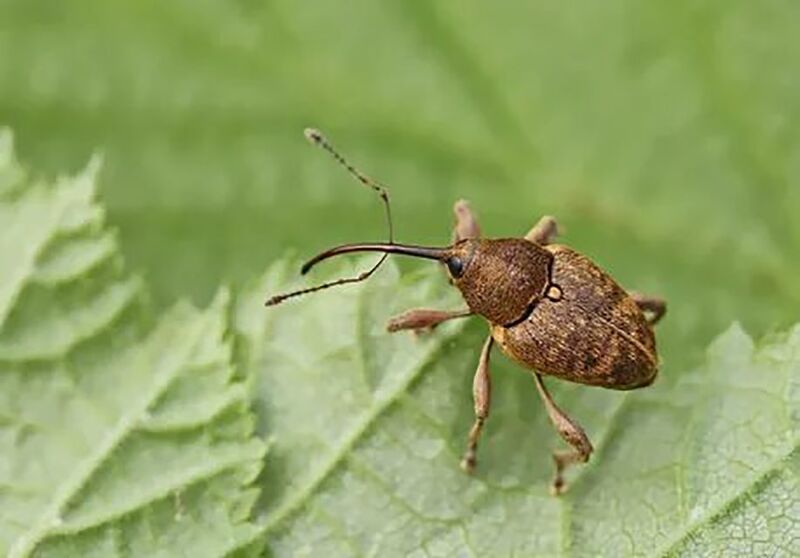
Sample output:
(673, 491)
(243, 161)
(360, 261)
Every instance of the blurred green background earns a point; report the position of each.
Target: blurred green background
(664, 135)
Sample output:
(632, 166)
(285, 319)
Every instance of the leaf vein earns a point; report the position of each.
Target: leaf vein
(379, 406)
(726, 505)
(50, 518)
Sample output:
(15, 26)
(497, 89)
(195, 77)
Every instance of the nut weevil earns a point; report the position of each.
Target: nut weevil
(549, 308)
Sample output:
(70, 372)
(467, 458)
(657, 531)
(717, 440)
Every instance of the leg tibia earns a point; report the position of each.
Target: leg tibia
(570, 431)
(419, 319)
(482, 397)
(654, 305)
(543, 232)
(466, 225)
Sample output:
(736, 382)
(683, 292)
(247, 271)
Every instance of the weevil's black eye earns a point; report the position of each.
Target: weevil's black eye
(456, 266)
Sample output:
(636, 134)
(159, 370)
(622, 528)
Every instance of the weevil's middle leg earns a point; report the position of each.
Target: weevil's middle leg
(544, 231)
(482, 396)
(422, 319)
(466, 225)
(570, 431)
(656, 306)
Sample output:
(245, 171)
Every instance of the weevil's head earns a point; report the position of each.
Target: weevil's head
(500, 279)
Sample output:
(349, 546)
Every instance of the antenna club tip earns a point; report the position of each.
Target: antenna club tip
(313, 135)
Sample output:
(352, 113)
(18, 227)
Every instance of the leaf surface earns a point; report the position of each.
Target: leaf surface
(119, 435)
(369, 428)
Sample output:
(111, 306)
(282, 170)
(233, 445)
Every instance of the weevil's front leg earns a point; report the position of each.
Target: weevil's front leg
(422, 319)
(544, 231)
(466, 225)
(656, 306)
(570, 431)
(482, 397)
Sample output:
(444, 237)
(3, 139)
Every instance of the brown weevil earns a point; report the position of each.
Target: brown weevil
(550, 309)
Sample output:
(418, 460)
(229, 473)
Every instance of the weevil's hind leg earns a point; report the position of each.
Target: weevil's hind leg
(654, 305)
(570, 431)
(423, 319)
(544, 231)
(466, 225)
(482, 397)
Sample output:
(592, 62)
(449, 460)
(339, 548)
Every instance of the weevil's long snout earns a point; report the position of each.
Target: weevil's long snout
(387, 248)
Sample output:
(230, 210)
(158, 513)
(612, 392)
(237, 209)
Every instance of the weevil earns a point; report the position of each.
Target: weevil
(549, 308)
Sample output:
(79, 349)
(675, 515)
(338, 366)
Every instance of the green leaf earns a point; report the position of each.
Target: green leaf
(118, 436)
(369, 428)
(663, 135)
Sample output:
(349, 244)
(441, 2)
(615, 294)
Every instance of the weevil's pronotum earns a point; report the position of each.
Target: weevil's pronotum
(549, 308)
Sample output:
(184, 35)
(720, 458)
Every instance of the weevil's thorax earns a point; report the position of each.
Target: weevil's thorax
(503, 278)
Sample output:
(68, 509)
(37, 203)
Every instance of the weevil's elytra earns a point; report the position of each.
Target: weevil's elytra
(548, 307)
(594, 335)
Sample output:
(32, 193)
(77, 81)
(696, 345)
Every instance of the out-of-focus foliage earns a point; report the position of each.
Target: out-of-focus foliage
(664, 135)
(118, 436)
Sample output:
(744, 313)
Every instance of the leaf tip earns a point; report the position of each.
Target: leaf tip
(733, 343)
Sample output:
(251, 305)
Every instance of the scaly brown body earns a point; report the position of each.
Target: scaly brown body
(549, 308)
(595, 334)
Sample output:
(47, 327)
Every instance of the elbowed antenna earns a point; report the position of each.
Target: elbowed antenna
(430, 253)
(316, 137)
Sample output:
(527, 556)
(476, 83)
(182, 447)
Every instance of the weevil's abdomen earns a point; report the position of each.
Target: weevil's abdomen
(595, 334)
